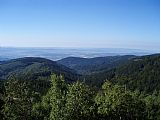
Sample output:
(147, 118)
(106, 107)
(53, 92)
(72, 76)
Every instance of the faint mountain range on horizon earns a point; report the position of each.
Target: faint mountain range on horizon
(60, 53)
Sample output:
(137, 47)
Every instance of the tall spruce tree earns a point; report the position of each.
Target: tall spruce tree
(79, 102)
(58, 92)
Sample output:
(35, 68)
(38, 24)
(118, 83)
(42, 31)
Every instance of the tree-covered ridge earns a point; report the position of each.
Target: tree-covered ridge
(34, 68)
(87, 66)
(142, 73)
(77, 101)
(127, 92)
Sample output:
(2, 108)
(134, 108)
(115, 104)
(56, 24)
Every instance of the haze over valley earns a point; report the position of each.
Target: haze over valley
(59, 53)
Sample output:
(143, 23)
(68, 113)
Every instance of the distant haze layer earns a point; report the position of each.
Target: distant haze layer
(59, 53)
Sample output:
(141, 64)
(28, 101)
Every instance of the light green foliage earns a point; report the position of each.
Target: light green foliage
(57, 99)
(79, 102)
(53, 103)
(73, 102)
(153, 106)
(114, 102)
(18, 100)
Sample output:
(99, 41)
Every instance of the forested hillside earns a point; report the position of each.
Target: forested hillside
(87, 66)
(142, 73)
(35, 69)
(33, 73)
(128, 91)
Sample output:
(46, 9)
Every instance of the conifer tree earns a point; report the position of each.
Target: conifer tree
(18, 100)
(58, 92)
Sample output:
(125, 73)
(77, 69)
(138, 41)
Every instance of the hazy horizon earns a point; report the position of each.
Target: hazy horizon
(84, 48)
(57, 53)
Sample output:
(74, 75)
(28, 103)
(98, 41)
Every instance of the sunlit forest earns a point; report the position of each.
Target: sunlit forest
(130, 91)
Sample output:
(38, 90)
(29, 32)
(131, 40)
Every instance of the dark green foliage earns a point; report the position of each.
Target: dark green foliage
(141, 73)
(77, 101)
(35, 69)
(131, 92)
(97, 79)
(1, 102)
(18, 100)
(87, 66)
(42, 109)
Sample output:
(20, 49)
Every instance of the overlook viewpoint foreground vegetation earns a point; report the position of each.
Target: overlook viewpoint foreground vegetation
(119, 88)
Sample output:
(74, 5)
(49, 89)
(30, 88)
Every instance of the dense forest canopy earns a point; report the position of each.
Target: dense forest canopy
(87, 66)
(142, 73)
(40, 89)
(35, 69)
(77, 101)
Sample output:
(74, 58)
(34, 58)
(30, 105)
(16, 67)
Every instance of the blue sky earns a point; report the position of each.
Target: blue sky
(80, 23)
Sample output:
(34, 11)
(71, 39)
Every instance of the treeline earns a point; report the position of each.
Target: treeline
(77, 101)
